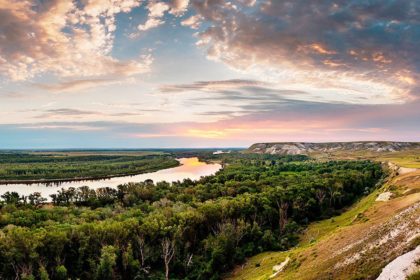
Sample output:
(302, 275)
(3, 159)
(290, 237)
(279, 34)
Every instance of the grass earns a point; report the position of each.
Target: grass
(323, 228)
(314, 233)
(406, 158)
(414, 276)
(313, 259)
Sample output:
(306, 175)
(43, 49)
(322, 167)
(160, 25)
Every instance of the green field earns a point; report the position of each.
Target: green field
(68, 165)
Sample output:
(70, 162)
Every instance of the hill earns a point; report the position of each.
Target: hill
(297, 148)
(378, 235)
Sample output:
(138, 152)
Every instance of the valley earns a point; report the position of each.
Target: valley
(361, 241)
(318, 215)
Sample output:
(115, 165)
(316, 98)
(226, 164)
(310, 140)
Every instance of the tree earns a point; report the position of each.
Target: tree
(61, 272)
(36, 199)
(281, 197)
(43, 274)
(168, 252)
(107, 263)
(11, 198)
(320, 194)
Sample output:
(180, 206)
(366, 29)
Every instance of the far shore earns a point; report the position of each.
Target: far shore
(78, 179)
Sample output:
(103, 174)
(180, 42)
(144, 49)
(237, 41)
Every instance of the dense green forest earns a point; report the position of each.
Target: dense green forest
(52, 166)
(185, 230)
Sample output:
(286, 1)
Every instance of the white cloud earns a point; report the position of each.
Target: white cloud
(154, 18)
(150, 23)
(62, 38)
(157, 9)
(193, 22)
(179, 7)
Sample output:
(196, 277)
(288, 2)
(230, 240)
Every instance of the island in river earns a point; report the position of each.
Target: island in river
(53, 166)
(188, 168)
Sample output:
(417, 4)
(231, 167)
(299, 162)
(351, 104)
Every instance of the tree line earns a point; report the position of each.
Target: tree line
(184, 230)
(17, 166)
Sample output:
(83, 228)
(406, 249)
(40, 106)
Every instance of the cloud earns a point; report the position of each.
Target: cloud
(179, 7)
(72, 127)
(248, 3)
(156, 12)
(237, 96)
(12, 94)
(64, 113)
(76, 85)
(296, 121)
(150, 23)
(157, 9)
(63, 38)
(193, 22)
(211, 85)
(321, 44)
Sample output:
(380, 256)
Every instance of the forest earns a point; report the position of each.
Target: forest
(184, 230)
(21, 166)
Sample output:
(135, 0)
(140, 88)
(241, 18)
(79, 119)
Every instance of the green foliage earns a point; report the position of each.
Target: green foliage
(25, 276)
(24, 166)
(107, 263)
(43, 274)
(60, 273)
(414, 276)
(185, 230)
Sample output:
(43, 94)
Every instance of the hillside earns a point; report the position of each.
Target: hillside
(355, 245)
(362, 242)
(296, 148)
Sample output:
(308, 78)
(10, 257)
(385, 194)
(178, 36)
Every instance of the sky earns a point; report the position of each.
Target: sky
(207, 73)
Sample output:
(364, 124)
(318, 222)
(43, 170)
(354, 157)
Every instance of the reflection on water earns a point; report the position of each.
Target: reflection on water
(190, 168)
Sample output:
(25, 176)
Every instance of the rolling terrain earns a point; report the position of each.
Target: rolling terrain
(297, 148)
(360, 242)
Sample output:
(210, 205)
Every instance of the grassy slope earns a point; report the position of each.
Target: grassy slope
(329, 248)
(407, 158)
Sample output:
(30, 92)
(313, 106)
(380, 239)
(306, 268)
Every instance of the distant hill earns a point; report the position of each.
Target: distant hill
(297, 148)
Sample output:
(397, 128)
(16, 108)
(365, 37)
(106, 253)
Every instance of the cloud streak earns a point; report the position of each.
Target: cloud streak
(76, 85)
(211, 85)
(299, 119)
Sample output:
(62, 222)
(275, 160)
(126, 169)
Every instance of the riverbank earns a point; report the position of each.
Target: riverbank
(80, 179)
(29, 168)
(187, 168)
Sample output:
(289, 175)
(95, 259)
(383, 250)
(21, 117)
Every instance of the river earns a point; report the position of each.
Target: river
(190, 168)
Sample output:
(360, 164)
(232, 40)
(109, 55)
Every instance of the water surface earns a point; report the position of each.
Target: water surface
(190, 168)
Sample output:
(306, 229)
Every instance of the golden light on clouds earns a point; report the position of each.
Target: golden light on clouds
(169, 71)
(320, 49)
(203, 133)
